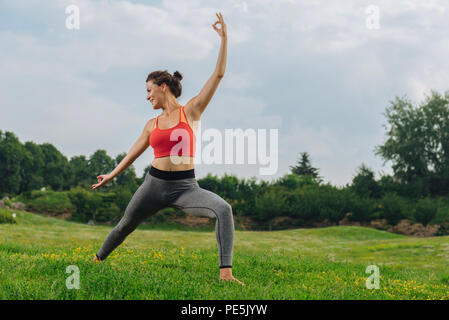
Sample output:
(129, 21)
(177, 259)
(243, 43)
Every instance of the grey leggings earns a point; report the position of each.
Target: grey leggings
(173, 189)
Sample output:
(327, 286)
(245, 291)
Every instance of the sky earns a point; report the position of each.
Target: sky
(321, 73)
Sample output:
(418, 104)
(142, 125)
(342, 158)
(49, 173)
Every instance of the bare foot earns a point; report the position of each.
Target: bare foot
(232, 279)
(226, 275)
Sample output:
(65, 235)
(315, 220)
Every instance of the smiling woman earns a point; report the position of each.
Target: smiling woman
(160, 77)
(171, 180)
(176, 144)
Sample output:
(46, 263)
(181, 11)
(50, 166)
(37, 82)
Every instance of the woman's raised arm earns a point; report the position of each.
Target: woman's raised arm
(196, 106)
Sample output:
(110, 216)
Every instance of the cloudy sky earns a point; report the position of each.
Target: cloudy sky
(320, 72)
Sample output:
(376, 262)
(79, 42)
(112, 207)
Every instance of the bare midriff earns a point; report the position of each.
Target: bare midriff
(173, 163)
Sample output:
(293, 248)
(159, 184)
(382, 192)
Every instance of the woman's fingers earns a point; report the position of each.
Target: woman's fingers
(220, 19)
(222, 31)
(95, 186)
(101, 181)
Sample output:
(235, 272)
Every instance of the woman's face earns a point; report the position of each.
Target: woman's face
(155, 94)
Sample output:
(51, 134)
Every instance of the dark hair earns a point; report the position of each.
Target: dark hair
(172, 81)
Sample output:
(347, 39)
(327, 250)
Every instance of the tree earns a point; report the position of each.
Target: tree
(418, 142)
(290, 181)
(426, 209)
(32, 168)
(100, 163)
(393, 207)
(145, 171)
(57, 171)
(210, 182)
(80, 171)
(270, 204)
(11, 157)
(229, 186)
(304, 168)
(126, 178)
(364, 183)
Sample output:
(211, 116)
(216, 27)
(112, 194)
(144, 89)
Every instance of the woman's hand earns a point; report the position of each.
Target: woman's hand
(103, 179)
(221, 32)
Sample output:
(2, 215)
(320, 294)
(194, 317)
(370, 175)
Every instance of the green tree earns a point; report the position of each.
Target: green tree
(122, 197)
(32, 168)
(425, 210)
(393, 208)
(57, 171)
(126, 178)
(304, 168)
(364, 183)
(210, 182)
(12, 154)
(101, 163)
(81, 172)
(290, 181)
(229, 185)
(418, 143)
(333, 202)
(270, 204)
(140, 180)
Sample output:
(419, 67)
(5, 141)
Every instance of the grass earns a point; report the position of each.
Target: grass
(321, 263)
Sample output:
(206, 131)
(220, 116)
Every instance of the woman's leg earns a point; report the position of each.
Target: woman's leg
(143, 204)
(204, 203)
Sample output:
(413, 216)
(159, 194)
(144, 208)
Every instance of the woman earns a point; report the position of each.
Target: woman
(171, 180)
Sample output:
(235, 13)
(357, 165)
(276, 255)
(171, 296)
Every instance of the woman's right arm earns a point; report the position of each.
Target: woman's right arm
(136, 150)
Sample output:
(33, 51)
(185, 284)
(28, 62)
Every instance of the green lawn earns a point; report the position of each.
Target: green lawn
(322, 263)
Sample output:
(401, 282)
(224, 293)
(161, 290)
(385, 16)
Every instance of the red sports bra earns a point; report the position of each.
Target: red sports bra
(178, 140)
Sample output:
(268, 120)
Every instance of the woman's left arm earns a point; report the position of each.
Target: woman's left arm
(196, 106)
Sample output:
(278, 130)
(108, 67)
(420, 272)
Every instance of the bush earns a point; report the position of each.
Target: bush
(442, 215)
(443, 230)
(51, 202)
(108, 212)
(361, 209)
(364, 183)
(270, 204)
(290, 181)
(426, 209)
(318, 202)
(305, 204)
(393, 208)
(98, 206)
(79, 198)
(334, 203)
(162, 215)
(7, 203)
(6, 217)
(417, 188)
(122, 197)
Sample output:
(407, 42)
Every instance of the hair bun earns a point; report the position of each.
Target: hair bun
(177, 75)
